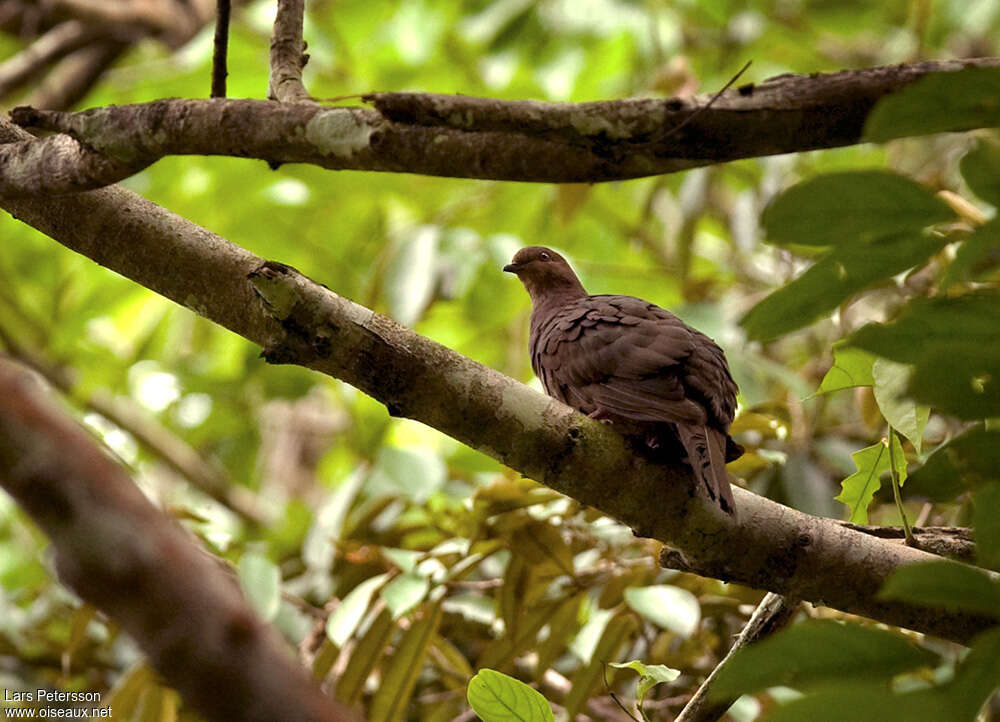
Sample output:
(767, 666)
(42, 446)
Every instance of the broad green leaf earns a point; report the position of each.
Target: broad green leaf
(844, 208)
(851, 367)
(981, 170)
(129, 689)
(817, 652)
(404, 593)
(967, 321)
(563, 626)
(346, 618)
(318, 549)
(867, 702)
(858, 489)
(836, 276)
(937, 103)
(979, 255)
(590, 677)
(261, 581)
(501, 651)
(954, 344)
(414, 473)
(497, 697)
(905, 416)
(945, 584)
(666, 606)
(966, 462)
(412, 276)
(963, 381)
(392, 698)
(451, 661)
(364, 657)
(986, 520)
(650, 675)
(542, 545)
(957, 700)
(590, 635)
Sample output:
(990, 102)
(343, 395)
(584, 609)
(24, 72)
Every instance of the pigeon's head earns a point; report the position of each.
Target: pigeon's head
(544, 273)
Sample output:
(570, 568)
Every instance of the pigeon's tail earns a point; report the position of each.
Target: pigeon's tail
(706, 451)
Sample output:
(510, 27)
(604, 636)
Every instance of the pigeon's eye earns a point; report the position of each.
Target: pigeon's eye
(544, 256)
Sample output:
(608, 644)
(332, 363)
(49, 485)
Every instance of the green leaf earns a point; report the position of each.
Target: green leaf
(978, 256)
(966, 462)
(954, 344)
(497, 697)
(346, 618)
(412, 276)
(650, 675)
(834, 278)
(958, 700)
(851, 367)
(364, 657)
(261, 580)
(942, 322)
(590, 634)
(986, 521)
(844, 208)
(940, 102)
(867, 702)
(392, 698)
(981, 169)
(404, 593)
(666, 606)
(905, 416)
(414, 473)
(502, 650)
(590, 677)
(563, 626)
(945, 584)
(858, 489)
(963, 381)
(818, 652)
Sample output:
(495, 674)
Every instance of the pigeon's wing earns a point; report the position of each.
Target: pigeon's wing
(621, 358)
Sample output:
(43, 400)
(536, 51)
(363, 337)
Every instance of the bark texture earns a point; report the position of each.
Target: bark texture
(464, 137)
(120, 553)
(769, 546)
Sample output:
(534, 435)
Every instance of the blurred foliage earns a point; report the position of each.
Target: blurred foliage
(401, 562)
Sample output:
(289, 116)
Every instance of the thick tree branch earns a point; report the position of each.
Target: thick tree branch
(768, 546)
(288, 56)
(477, 137)
(125, 557)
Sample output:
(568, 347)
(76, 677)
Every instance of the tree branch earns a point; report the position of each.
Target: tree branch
(768, 546)
(124, 556)
(58, 42)
(465, 137)
(288, 56)
(70, 80)
(771, 615)
(220, 50)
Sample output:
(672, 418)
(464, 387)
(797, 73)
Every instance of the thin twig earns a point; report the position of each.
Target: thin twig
(709, 104)
(772, 614)
(894, 478)
(219, 67)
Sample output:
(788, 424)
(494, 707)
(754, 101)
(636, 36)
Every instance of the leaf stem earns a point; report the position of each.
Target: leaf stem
(907, 531)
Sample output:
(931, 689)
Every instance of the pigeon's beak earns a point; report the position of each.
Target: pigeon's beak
(512, 268)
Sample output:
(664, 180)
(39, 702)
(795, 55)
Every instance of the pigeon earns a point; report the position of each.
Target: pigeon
(634, 365)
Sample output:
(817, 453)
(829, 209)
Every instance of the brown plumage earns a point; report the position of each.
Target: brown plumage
(629, 362)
